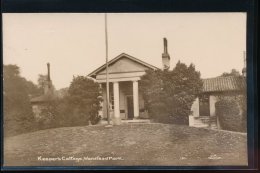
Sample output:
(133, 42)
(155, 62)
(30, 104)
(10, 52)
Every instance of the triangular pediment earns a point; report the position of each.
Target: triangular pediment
(123, 64)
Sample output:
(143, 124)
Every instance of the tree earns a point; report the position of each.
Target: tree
(233, 72)
(63, 92)
(18, 117)
(84, 99)
(151, 86)
(169, 94)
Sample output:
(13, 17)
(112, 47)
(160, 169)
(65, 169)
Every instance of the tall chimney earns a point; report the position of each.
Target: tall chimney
(244, 69)
(48, 67)
(165, 56)
(48, 84)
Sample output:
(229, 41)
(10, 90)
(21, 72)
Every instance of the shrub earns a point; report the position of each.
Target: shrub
(48, 115)
(18, 117)
(169, 95)
(84, 99)
(230, 113)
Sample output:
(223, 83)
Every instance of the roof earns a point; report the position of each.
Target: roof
(122, 55)
(221, 84)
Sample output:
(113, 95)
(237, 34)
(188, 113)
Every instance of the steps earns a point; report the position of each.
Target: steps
(137, 121)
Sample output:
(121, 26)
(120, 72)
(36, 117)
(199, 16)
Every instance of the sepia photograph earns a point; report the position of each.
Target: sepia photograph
(125, 89)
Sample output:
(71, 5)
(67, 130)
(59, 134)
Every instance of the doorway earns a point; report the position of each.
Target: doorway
(130, 107)
(204, 105)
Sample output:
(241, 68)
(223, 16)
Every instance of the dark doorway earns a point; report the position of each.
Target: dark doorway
(130, 107)
(204, 105)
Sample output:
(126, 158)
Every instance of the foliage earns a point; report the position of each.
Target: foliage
(83, 97)
(48, 114)
(233, 72)
(151, 87)
(169, 95)
(76, 105)
(63, 92)
(232, 110)
(18, 117)
(66, 114)
(231, 113)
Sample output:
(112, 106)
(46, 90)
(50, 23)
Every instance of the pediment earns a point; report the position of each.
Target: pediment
(124, 65)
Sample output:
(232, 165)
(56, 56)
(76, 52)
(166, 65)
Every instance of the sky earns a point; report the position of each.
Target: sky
(74, 43)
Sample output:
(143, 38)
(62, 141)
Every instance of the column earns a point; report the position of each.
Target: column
(195, 108)
(100, 112)
(212, 102)
(116, 103)
(136, 99)
(214, 123)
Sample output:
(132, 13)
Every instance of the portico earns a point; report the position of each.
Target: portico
(125, 100)
(116, 96)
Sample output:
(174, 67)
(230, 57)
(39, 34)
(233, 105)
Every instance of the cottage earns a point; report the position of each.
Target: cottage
(203, 108)
(126, 102)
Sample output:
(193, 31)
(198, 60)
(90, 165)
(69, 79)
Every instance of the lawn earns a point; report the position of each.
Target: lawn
(127, 144)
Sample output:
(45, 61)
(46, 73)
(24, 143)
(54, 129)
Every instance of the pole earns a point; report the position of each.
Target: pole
(244, 54)
(107, 82)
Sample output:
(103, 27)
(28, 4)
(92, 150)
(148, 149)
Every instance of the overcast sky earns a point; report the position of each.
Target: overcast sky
(74, 43)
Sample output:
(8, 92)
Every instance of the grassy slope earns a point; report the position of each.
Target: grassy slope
(137, 144)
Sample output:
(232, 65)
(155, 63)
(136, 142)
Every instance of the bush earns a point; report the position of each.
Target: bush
(48, 115)
(60, 113)
(231, 115)
(18, 117)
(168, 95)
(84, 98)
(15, 126)
(78, 107)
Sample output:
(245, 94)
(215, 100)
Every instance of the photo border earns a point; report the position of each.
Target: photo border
(157, 6)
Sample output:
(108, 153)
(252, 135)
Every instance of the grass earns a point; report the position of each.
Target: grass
(128, 144)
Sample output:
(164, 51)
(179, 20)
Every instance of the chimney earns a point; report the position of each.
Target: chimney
(48, 67)
(244, 69)
(165, 56)
(47, 88)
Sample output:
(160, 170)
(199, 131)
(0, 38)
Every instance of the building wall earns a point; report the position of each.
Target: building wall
(37, 110)
(212, 101)
(195, 108)
(212, 121)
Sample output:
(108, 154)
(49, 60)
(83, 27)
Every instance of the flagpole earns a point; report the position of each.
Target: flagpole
(107, 82)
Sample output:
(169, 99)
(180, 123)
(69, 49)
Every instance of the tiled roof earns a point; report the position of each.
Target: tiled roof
(220, 84)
